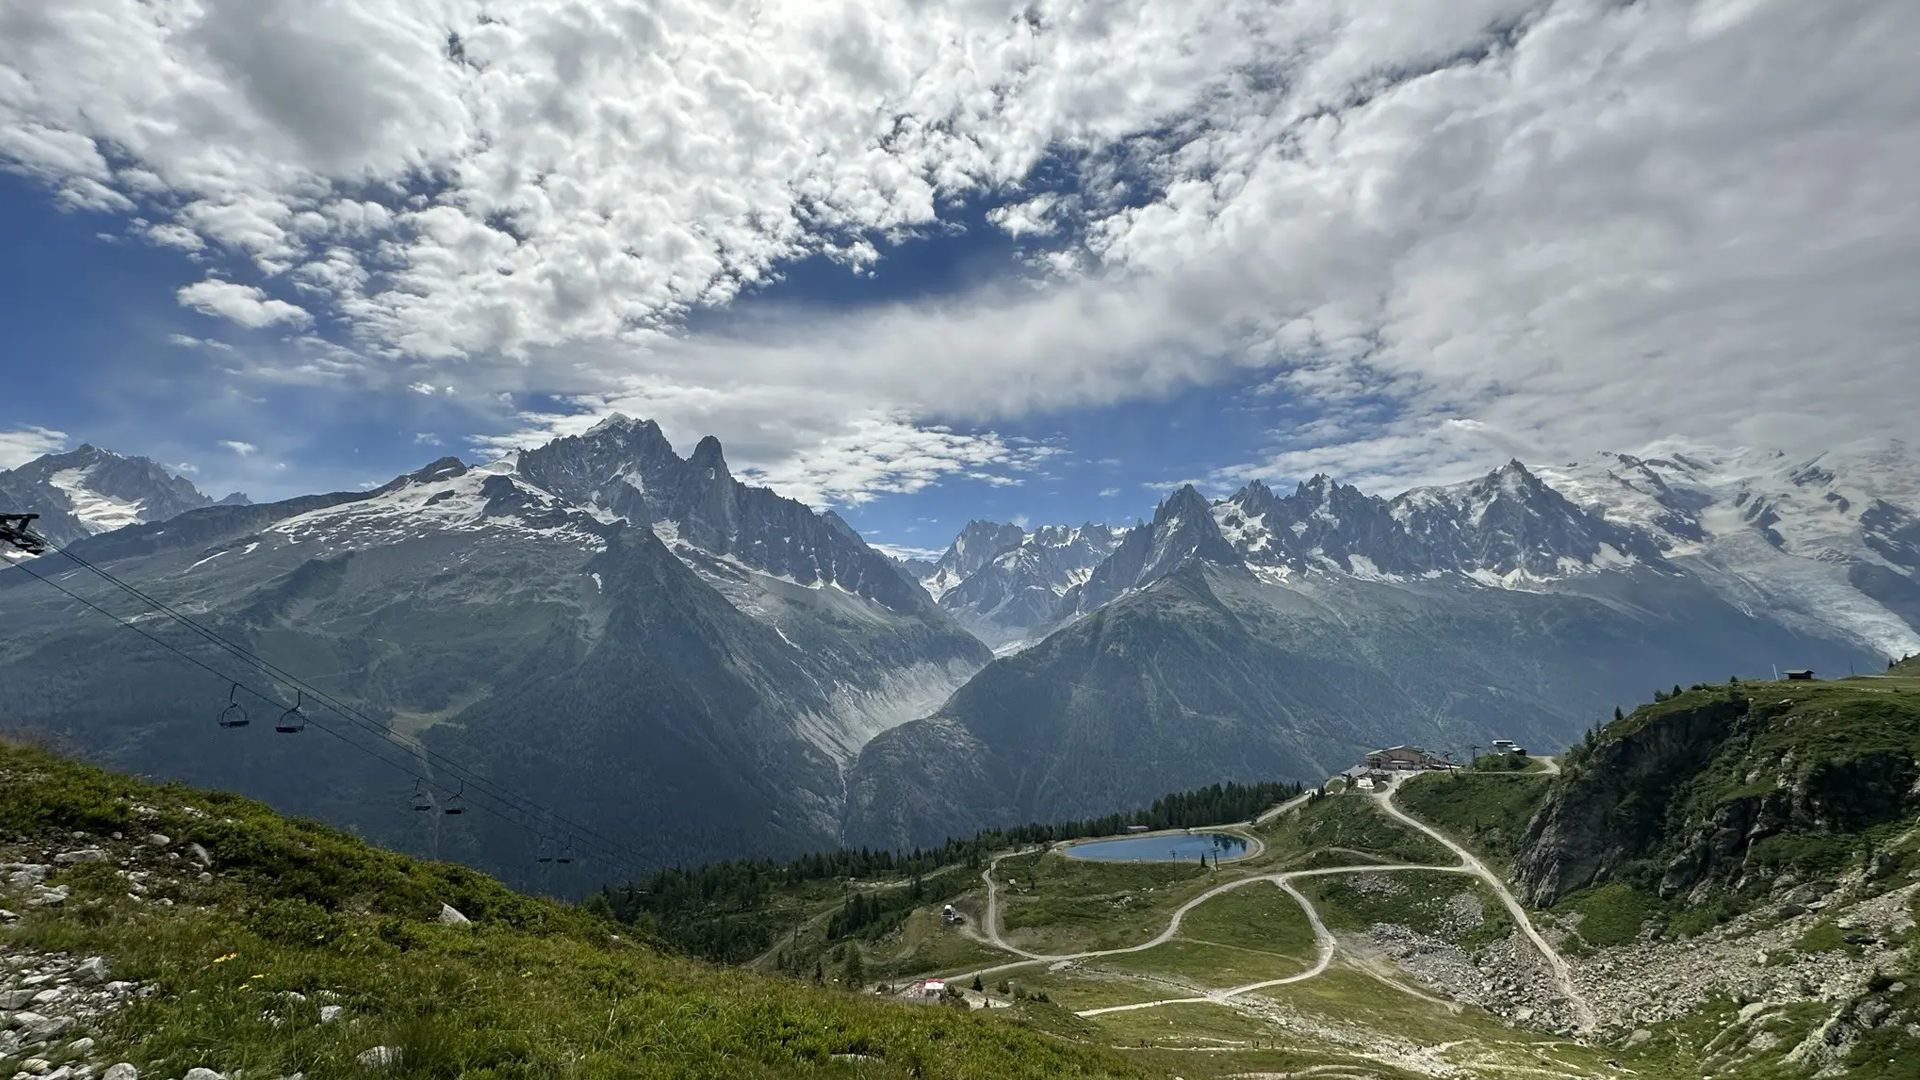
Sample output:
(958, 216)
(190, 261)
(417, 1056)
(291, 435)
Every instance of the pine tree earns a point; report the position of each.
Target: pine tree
(855, 972)
(1617, 714)
(978, 986)
(819, 974)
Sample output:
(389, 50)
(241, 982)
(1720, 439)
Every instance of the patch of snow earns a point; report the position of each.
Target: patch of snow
(99, 513)
(209, 558)
(598, 585)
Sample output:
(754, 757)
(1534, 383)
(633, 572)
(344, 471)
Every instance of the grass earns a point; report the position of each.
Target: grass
(1205, 964)
(1250, 934)
(1488, 812)
(1257, 916)
(531, 989)
(1057, 904)
(1352, 826)
(1416, 899)
(1612, 914)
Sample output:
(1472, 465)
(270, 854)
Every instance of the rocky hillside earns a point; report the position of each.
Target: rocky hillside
(171, 934)
(1721, 792)
(1215, 672)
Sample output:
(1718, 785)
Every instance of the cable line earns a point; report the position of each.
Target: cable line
(483, 785)
(615, 854)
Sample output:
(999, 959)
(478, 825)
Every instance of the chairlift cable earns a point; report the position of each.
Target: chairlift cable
(419, 778)
(519, 803)
(516, 801)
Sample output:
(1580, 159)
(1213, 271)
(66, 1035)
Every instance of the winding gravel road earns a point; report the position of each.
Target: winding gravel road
(1469, 864)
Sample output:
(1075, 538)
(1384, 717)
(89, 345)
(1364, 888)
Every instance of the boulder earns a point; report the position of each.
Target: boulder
(92, 971)
(330, 1013)
(451, 916)
(198, 1073)
(375, 1057)
(199, 855)
(122, 1071)
(92, 854)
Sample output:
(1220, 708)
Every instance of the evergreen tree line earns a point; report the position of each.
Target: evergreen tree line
(726, 910)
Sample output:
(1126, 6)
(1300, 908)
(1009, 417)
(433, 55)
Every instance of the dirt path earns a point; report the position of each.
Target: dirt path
(1469, 864)
(1562, 974)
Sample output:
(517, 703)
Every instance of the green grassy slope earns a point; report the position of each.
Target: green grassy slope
(529, 988)
(1708, 795)
(1486, 811)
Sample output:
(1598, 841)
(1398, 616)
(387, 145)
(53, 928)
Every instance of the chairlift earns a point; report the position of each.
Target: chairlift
(293, 721)
(543, 852)
(566, 853)
(421, 800)
(234, 715)
(455, 805)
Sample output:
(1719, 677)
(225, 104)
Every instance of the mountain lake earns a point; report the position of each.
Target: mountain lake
(1175, 848)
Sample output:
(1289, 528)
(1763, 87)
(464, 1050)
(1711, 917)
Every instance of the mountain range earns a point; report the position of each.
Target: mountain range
(703, 668)
(90, 490)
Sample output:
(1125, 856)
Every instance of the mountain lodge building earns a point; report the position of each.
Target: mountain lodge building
(1406, 759)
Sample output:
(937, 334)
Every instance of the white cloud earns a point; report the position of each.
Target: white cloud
(425, 438)
(244, 449)
(21, 445)
(1576, 222)
(247, 305)
(186, 468)
(904, 553)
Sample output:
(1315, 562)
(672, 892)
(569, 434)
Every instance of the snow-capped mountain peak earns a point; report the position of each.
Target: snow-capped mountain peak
(89, 490)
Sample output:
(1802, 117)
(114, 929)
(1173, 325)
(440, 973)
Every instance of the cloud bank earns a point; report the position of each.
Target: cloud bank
(1448, 229)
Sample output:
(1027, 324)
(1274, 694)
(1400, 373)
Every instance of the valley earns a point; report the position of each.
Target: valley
(1401, 932)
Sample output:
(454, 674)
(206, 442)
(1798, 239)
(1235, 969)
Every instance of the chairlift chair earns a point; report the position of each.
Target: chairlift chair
(421, 800)
(566, 853)
(543, 852)
(234, 715)
(455, 805)
(293, 721)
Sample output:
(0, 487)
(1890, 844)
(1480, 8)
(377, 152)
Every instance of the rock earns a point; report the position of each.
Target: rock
(1881, 866)
(16, 999)
(92, 971)
(199, 855)
(376, 1057)
(205, 876)
(159, 840)
(8, 916)
(1640, 1035)
(122, 1071)
(198, 1073)
(330, 1013)
(43, 896)
(452, 917)
(41, 1027)
(36, 1066)
(92, 854)
(1811, 891)
(80, 1047)
(1789, 910)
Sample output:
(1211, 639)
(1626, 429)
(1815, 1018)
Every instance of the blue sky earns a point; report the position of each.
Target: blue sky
(927, 262)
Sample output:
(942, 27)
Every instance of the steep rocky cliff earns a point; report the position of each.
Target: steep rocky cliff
(1730, 791)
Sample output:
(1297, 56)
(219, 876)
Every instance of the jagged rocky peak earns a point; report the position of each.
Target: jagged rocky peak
(626, 468)
(445, 468)
(90, 490)
(708, 457)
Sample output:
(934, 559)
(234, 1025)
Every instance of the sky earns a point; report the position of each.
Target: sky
(925, 261)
